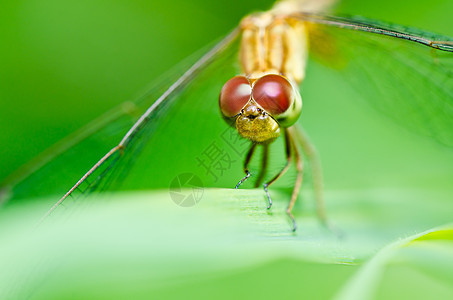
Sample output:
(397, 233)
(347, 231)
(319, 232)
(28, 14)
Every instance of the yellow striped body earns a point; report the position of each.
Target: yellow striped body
(273, 43)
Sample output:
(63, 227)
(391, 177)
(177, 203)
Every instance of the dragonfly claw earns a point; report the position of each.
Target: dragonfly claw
(268, 196)
(290, 215)
(242, 180)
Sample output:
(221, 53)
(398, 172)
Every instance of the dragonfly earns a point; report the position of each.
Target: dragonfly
(259, 70)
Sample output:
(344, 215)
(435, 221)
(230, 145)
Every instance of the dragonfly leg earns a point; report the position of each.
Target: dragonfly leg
(264, 161)
(248, 157)
(288, 143)
(313, 158)
(297, 185)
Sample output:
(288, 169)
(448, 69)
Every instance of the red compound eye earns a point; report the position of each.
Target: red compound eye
(234, 95)
(274, 93)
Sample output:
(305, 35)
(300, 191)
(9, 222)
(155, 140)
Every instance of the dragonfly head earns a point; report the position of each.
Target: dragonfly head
(260, 107)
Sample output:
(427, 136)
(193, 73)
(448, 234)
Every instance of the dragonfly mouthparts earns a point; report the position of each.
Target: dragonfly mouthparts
(251, 110)
(256, 125)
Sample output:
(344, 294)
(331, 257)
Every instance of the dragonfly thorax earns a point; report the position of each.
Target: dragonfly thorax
(273, 44)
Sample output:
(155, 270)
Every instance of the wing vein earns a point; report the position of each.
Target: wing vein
(349, 23)
(146, 115)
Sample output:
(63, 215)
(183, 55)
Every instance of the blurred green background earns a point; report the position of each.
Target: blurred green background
(65, 63)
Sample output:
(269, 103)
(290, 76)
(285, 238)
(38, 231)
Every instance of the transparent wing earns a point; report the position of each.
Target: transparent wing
(359, 23)
(180, 132)
(405, 73)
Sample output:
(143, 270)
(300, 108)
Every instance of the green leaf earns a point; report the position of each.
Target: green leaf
(143, 245)
(419, 266)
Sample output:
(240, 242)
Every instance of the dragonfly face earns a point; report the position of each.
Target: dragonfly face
(260, 107)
